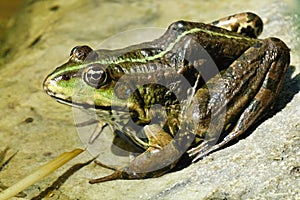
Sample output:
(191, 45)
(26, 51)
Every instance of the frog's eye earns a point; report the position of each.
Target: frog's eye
(79, 53)
(95, 75)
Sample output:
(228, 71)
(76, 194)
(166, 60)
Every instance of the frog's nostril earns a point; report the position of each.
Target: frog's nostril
(65, 77)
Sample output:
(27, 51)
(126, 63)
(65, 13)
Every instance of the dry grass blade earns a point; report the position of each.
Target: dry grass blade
(40, 173)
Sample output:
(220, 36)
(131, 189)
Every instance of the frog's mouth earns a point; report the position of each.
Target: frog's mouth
(62, 101)
(78, 105)
(106, 109)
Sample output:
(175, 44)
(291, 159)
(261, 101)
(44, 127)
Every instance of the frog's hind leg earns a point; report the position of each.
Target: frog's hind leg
(263, 99)
(161, 156)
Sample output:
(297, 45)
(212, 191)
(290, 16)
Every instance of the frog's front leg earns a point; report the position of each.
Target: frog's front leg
(160, 157)
(272, 59)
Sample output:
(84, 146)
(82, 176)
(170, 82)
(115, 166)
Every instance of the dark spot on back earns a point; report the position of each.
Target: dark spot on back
(235, 28)
(250, 17)
(249, 31)
(259, 26)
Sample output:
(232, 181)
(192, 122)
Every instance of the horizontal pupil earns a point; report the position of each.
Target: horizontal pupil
(96, 76)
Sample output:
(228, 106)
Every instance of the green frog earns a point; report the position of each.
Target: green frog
(189, 92)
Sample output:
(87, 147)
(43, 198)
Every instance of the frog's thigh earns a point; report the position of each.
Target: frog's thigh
(264, 98)
(249, 116)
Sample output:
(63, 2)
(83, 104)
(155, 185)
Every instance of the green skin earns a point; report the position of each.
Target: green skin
(132, 80)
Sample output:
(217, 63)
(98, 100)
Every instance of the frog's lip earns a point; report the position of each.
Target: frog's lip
(72, 104)
(68, 103)
(80, 105)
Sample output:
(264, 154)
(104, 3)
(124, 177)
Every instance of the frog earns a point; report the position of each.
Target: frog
(190, 92)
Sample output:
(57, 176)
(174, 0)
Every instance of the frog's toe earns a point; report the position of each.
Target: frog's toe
(114, 176)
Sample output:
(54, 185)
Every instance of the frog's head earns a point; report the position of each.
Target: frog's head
(84, 82)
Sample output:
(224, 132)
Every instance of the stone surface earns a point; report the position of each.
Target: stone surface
(260, 166)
